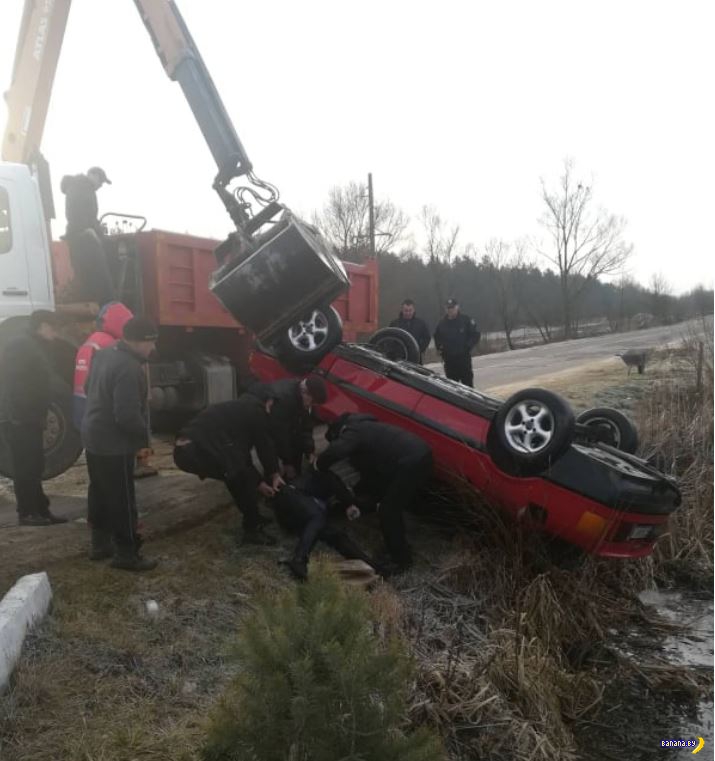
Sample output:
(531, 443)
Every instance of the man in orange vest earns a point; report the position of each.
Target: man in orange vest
(110, 323)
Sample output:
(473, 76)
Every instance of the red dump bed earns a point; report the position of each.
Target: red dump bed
(175, 273)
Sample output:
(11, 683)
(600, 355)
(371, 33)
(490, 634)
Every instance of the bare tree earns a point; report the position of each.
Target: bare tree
(660, 297)
(587, 242)
(345, 220)
(503, 263)
(440, 249)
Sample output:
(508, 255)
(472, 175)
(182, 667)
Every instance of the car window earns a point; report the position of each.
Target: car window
(5, 225)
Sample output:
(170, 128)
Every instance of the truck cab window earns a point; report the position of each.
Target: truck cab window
(5, 228)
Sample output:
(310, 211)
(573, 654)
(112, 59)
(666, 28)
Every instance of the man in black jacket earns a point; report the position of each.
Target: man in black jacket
(303, 506)
(291, 419)
(414, 325)
(455, 337)
(393, 464)
(85, 236)
(115, 427)
(25, 373)
(217, 444)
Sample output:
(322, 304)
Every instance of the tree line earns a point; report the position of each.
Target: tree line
(571, 278)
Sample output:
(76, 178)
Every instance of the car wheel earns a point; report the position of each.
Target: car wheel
(61, 440)
(530, 431)
(396, 344)
(612, 427)
(310, 339)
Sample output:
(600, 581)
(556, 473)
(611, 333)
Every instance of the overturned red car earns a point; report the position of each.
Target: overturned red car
(576, 479)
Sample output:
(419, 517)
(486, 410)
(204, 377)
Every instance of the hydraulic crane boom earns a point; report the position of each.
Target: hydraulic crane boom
(42, 30)
(37, 54)
(183, 63)
(272, 259)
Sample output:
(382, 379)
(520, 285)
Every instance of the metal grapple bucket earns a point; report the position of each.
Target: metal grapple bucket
(291, 271)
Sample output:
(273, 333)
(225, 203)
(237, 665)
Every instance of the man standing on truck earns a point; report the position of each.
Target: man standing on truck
(394, 465)
(85, 236)
(115, 427)
(217, 444)
(414, 325)
(291, 419)
(25, 388)
(455, 337)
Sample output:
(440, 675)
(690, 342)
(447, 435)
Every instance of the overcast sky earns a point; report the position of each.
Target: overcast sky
(462, 105)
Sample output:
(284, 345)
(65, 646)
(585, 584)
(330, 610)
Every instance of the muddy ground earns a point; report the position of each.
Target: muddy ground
(103, 680)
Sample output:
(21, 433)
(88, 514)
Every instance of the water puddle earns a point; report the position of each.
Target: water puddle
(691, 647)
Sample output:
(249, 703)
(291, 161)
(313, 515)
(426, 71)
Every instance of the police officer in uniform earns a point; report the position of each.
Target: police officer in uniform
(455, 337)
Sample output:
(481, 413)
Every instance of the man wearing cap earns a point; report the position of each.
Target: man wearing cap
(25, 388)
(455, 337)
(85, 235)
(114, 428)
(291, 419)
(414, 325)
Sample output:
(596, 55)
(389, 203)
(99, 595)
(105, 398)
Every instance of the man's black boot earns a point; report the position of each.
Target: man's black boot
(101, 547)
(128, 559)
(34, 520)
(299, 568)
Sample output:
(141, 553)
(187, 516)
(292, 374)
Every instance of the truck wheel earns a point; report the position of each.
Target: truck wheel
(396, 344)
(530, 431)
(310, 339)
(61, 439)
(611, 427)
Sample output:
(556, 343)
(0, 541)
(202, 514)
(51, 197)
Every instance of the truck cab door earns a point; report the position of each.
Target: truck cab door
(14, 276)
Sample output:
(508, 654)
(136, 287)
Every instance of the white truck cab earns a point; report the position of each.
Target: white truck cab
(25, 263)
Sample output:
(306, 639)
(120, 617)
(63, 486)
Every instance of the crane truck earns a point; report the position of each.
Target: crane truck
(274, 279)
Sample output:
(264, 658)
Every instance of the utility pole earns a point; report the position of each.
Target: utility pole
(371, 202)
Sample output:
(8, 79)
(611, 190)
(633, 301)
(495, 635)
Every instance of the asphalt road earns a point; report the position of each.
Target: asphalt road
(524, 364)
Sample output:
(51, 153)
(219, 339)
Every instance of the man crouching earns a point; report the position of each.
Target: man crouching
(217, 444)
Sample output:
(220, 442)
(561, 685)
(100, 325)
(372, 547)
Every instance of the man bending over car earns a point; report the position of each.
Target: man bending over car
(394, 464)
(291, 420)
(217, 444)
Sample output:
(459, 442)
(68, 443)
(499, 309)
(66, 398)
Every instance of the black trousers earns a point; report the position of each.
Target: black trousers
(300, 514)
(243, 487)
(410, 475)
(111, 501)
(92, 275)
(28, 462)
(459, 368)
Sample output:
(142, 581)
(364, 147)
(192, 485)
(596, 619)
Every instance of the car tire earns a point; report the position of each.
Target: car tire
(530, 431)
(62, 444)
(396, 344)
(613, 428)
(309, 340)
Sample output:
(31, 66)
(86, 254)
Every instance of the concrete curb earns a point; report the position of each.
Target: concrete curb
(22, 607)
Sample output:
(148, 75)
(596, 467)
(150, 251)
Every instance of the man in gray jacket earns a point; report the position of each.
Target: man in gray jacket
(115, 427)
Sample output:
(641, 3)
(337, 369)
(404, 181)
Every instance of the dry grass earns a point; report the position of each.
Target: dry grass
(676, 425)
(517, 654)
(102, 681)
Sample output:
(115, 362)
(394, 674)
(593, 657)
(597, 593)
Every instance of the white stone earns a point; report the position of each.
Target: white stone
(25, 605)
